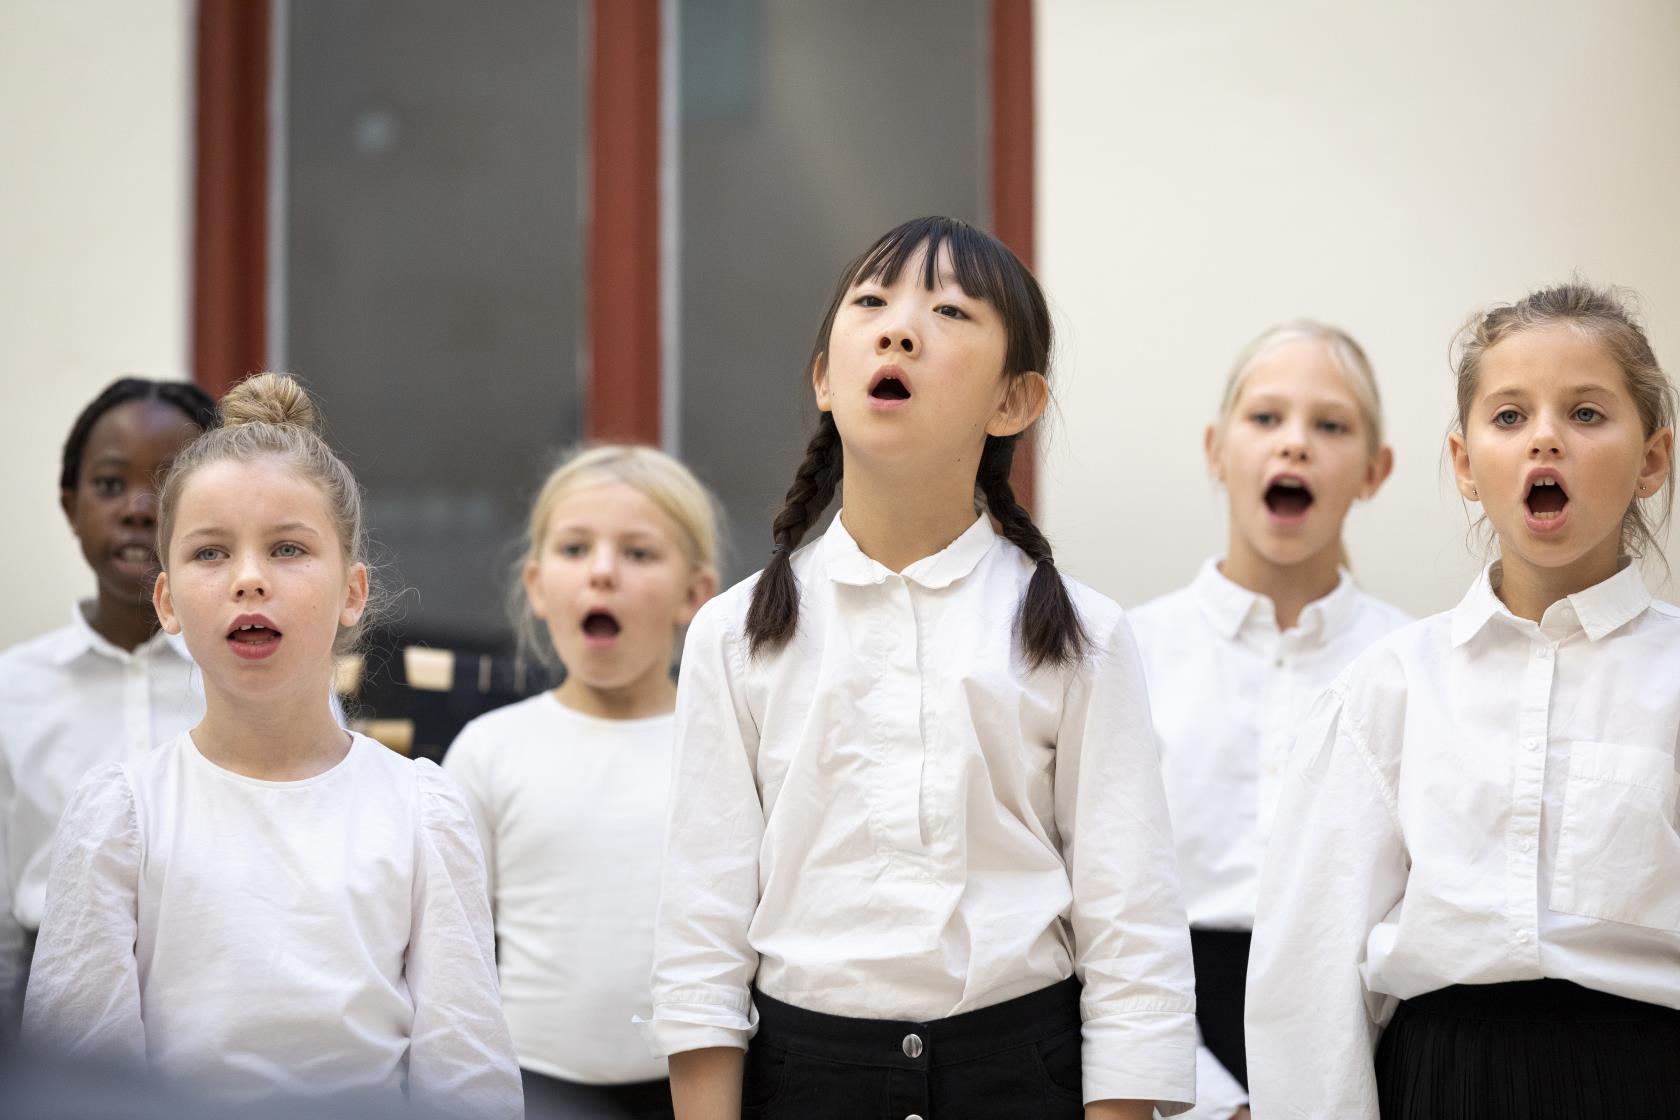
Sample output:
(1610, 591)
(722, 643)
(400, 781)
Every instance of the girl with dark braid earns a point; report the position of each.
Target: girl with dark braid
(918, 849)
(108, 685)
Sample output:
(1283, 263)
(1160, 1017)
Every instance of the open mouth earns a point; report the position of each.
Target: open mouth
(1288, 497)
(890, 389)
(1546, 499)
(136, 556)
(600, 626)
(253, 638)
(253, 635)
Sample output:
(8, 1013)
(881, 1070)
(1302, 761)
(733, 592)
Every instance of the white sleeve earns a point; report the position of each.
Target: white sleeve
(702, 962)
(460, 1057)
(84, 987)
(1131, 940)
(1335, 866)
(1218, 1094)
(13, 938)
(465, 764)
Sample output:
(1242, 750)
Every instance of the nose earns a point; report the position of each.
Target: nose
(899, 339)
(1544, 441)
(603, 565)
(140, 510)
(250, 579)
(1292, 442)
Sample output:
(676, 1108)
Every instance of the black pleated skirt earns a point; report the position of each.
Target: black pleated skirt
(1221, 958)
(1530, 1050)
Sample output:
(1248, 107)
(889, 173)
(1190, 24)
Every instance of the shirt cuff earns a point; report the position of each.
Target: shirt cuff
(674, 1028)
(1141, 1056)
(1218, 1094)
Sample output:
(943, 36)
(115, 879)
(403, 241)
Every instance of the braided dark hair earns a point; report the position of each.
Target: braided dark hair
(193, 402)
(1046, 622)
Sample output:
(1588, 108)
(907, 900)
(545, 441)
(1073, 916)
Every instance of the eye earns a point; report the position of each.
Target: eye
(209, 552)
(1506, 417)
(573, 550)
(1263, 419)
(289, 551)
(1586, 414)
(1333, 427)
(640, 555)
(950, 311)
(107, 486)
(869, 299)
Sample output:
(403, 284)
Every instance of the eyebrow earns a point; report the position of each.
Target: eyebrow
(292, 527)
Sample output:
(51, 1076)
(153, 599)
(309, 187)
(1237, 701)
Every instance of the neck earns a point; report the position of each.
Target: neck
(1290, 587)
(1528, 589)
(653, 694)
(897, 522)
(279, 739)
(123, 623)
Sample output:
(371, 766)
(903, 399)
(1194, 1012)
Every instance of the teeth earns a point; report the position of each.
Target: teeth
(1547, 516)
(1291, 483)
(1545, 482)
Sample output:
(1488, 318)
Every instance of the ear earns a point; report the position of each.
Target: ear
(1210, 449)
(533, 590)
(702, 585)
(1024, 399)
(1377, 471)
(67, 503)
(1460, 454)
(355, 596)
(819, 383)
(1659, 461)
(164, 606)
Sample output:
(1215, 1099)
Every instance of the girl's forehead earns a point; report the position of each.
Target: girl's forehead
(609, 505)
(147, 422)
(1298, 367)
(235, 492)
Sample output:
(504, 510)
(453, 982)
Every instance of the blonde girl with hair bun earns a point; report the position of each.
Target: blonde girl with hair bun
(1474, 909)
(269, 905)
(569, 788)
(1235, 659)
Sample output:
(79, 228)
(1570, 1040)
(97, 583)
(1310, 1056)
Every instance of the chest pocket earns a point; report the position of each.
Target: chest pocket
(1618, 854)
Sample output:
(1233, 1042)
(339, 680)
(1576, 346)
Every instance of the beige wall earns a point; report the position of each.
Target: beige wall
(94, 230)
(1205, 170)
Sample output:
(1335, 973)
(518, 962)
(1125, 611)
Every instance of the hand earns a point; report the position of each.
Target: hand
(1241, 1114)
(1119, 1110)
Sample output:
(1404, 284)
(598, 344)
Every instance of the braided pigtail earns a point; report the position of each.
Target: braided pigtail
(774, 613)
(1046, 621)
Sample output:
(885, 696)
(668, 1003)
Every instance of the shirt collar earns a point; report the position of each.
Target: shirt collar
(1229, 605)
(81, 638)
(1600, 609)
(847, 563)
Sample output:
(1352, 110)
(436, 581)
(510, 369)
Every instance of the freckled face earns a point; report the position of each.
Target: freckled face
(1554, 449)
(257, 581)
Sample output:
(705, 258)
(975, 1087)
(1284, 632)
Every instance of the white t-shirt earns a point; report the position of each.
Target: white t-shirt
(571, 811)
(1228, 691)
(70, 700)
(1479, 798)
(893, 816)
(250, 937)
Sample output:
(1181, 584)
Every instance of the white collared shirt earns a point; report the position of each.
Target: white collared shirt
(571, 813)
(1478, 799)
(251, 938)
(1228, 691)
(893, 818)
(70, 700)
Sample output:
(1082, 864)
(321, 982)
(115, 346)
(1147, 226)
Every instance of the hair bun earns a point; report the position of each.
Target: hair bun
(268, 398)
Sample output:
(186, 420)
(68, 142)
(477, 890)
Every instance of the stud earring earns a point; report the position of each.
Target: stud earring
(1474, 497)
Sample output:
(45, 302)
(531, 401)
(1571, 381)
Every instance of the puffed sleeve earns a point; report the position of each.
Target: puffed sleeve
(460, 1057)
(1335, 866)
(1131, 939)
(702, 962)
(84, 987)
(467, 763)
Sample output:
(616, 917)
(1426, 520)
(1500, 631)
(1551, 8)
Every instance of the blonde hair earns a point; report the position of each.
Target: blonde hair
(1348, 355)
(269, 415)
(1602, 313)
(658, 477)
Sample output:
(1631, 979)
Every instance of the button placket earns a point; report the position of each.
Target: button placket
(1522, 851)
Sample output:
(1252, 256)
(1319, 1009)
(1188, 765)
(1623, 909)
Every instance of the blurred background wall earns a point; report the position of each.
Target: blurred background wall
(432, 231)
(1206, 170)
(95, 208)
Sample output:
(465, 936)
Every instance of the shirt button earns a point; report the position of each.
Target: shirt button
(1527, 845)
(912, 1046)
(1544, 653)
(1531, 743)
(913, 1116)
(1522, 936)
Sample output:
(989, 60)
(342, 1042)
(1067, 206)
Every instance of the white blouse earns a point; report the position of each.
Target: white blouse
(323, 936)
(1229, 691)
(70, 700)
(571, 810)
(892, 817)
(1478, 799)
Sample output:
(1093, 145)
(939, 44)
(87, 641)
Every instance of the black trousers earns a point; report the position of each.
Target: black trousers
(550, 1098)
(1012, 1060)
(1529, 1050)
(1221, 958)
